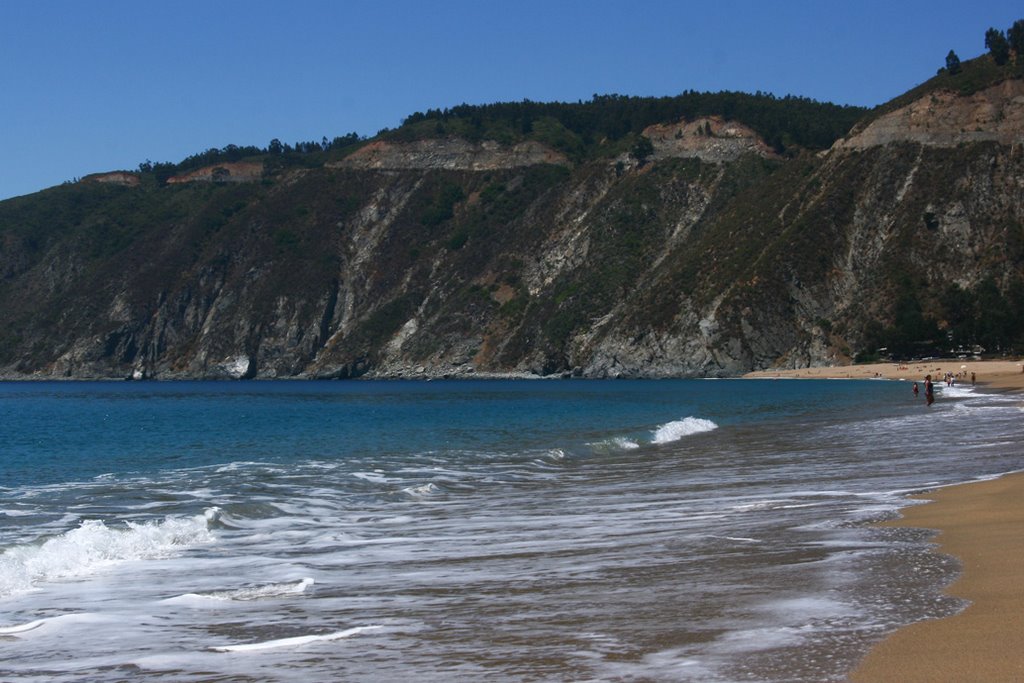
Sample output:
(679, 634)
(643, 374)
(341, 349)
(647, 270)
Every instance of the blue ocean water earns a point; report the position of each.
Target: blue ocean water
(67, 431)
(490, 530)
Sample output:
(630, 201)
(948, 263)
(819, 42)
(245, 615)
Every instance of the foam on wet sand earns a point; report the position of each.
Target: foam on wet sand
(978, 523)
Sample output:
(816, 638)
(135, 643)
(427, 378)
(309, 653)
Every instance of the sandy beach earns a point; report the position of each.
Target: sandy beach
(994, 374)
(981, 524)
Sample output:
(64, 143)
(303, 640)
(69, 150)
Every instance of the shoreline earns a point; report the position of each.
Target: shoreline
(992, 374)
(980, 524)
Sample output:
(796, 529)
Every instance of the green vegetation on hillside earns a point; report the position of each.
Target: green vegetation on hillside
(964, 320)
(275, 156)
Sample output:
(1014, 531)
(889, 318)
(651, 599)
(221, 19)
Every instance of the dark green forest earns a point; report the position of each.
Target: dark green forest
(966, 320)
(581, 129)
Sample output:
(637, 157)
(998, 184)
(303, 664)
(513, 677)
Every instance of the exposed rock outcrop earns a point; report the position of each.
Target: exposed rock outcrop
(450, 154)
(709, 138)
(946, 119)
(125, 178)
(230, 172)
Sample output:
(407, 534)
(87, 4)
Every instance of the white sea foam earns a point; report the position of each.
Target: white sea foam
(22, 628)
(272, 590)
(93, 546)
(73, 618)
(759, 505)
(18, 513)
(235, 466)
(677, 429)
(296, 641)
(760, 639)
(617, 443)
(956, 391)
(422, 490)
(375, 477)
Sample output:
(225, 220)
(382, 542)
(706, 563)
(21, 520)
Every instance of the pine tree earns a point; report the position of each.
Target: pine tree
(998, 46)
(1016, 39)
(952, 63)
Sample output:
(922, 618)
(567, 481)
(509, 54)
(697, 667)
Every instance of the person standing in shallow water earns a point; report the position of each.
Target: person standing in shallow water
(915, 389)
(929, 390)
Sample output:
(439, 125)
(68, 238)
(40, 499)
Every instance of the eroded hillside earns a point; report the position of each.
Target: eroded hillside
(707, 254)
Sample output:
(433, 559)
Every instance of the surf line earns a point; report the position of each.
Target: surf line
(22, 628)
(295, 641)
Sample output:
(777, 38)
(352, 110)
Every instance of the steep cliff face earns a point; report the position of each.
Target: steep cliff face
(453, 257)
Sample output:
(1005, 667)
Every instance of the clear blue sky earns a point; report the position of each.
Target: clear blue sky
(105, 85)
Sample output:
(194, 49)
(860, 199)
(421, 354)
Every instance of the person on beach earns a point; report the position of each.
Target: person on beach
(915, 389)
(972, 379)
(929, 390)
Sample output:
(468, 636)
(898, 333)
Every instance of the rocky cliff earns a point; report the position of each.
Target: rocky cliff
(709, 138)
(449, 155)
(709, 257)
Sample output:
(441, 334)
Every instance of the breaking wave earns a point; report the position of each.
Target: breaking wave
(93, 546)
(677, 429)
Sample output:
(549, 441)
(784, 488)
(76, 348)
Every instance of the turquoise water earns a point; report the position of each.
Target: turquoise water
(489, 530)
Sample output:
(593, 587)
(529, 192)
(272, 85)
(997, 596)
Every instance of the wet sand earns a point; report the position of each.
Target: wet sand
(982, 524)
